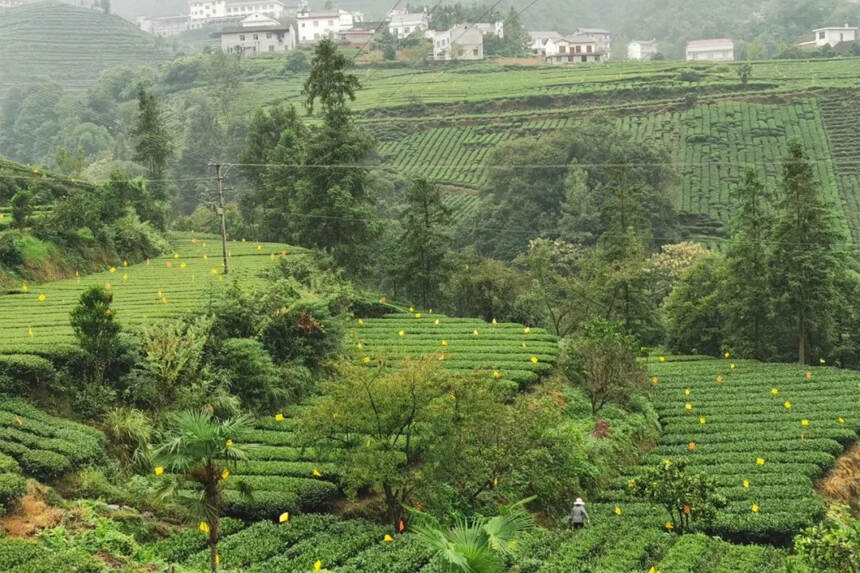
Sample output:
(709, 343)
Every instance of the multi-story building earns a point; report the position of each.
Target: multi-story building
(202, 12)
(715, 50)
(314, 26)
(602, 37)
(163, 26)
(258, 34)
(462, 42)
(402, 24)
(641, 50)
(834, 35)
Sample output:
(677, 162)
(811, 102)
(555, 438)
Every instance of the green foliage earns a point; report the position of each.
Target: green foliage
(44, 465)
(153, 142)
(805, 262)
(250, 373)
(200, 450)
(328, 80)
(173, 351)
(747, 299)
(424, 244)
(22, 208)
(686, 497)
(12, 487)
(694, 316)
(473, 545)
(129, 432)
(306, 332)
(24, 373)
(833, 545)
(94, 326)
(601, 359)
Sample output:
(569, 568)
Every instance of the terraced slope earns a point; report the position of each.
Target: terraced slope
(841, 115)
(508, 352)
(711, 145)
(160, 288)
(45, 447)
(762, 431)
(51, 41)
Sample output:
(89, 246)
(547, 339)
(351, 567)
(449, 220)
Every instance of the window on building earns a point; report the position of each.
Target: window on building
(584, 58)
(271, 48)
(820, 35)
(588, 49)
(241, 37)
(316, 23)
(256, 36)
(475, 52)
(331, 22)
(579, 49)
(268, 35)
(562, 49)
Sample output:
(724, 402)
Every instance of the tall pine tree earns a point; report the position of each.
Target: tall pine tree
(806, 261)
(747, 291)
(333, 204)
(153, 145)
(424, 243)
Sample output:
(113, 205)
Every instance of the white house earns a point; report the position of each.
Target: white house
(462, 42)
(716, 50)
(540, 39)
(402, 24)
(496, 29)
(601, 36)
(258, 34)
(163, 26)
(832, 36)
(314, 26)
(575, 49)
(201, 12)
(641, 50)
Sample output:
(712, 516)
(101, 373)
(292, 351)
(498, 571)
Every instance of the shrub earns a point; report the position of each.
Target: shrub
(306, 332)
(8, 464)
(250, 372)
(44, 465)
(12, 487)
(27, 372)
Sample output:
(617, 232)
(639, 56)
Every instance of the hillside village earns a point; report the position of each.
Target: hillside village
(357, 286)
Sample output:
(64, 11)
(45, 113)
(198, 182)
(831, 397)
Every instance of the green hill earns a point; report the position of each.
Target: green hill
(69, 46)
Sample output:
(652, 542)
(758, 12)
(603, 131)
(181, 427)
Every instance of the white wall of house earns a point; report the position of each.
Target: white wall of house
(641, 50)
(165, 26)
(602, 37)
(314, 26)
(833, 36)
(462, 42)
(573, 50)
(260, 40)
(200, 12)
(401, 25)
(720, 50)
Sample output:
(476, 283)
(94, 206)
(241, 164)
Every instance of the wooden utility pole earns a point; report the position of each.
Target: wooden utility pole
(219, 175)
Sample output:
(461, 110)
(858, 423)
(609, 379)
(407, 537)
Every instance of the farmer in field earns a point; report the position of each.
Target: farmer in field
(578, 515)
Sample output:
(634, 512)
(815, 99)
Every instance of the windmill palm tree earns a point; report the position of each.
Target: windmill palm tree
(198, 451)
(473, 545)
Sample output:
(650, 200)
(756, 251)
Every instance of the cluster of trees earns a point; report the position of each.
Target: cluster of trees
(784, 288)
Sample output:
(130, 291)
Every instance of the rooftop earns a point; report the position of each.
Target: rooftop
(845, 27)
(722, 42)
(252, 30)
(542, 35)
(314, 15)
